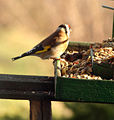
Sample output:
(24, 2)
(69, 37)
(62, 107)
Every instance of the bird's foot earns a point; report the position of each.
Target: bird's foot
(55, 58)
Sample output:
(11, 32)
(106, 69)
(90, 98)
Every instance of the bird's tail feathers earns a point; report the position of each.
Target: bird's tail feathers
(18, 57)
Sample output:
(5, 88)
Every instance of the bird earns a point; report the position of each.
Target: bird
(53, 46)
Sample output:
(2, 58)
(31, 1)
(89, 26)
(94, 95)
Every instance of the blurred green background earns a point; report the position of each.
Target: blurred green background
(23, 24)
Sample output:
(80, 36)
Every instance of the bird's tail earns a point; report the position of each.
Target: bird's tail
(21, 56)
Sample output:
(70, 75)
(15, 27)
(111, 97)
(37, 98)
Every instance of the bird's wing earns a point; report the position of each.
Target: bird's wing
(45, 45)
(39, 49)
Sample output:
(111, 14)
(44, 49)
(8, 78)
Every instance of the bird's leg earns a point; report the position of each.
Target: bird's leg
(55, 58)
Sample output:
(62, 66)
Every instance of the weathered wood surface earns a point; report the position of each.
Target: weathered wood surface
(96, 91)
(38, 89)
(40, 110)
(67, 89)
(26, 87)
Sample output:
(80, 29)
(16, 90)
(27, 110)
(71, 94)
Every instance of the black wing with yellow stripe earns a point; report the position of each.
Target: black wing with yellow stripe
(36, 50)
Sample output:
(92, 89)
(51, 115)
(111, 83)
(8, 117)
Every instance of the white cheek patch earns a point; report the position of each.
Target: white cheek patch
(68, 30)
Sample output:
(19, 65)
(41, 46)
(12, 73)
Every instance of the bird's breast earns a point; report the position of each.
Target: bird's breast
(57, 51)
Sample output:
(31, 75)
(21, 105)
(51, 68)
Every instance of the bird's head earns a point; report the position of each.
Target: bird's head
(66, 28)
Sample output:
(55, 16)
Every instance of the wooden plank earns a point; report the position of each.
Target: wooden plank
(68, 89)
(26, 87)
(40, 110)
(33, 88)
(96, 91)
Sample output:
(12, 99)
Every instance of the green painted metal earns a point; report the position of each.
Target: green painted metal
(73, 45)
(110, 8)
(104, 70)
(79, 90)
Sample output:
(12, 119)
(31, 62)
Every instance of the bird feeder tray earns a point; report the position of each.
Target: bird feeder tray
(105, 70)
(70, 88)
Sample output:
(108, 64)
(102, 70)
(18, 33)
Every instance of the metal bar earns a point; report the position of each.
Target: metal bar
(104, 6)
(57, 72)
(113, 27)
(78, 46)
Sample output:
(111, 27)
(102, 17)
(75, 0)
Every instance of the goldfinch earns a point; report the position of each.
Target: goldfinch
(53, 46)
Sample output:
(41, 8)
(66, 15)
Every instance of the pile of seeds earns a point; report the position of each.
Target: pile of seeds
(78, 64)
(104, 52)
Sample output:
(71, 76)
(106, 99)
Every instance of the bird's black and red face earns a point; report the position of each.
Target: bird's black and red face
(66, 27)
